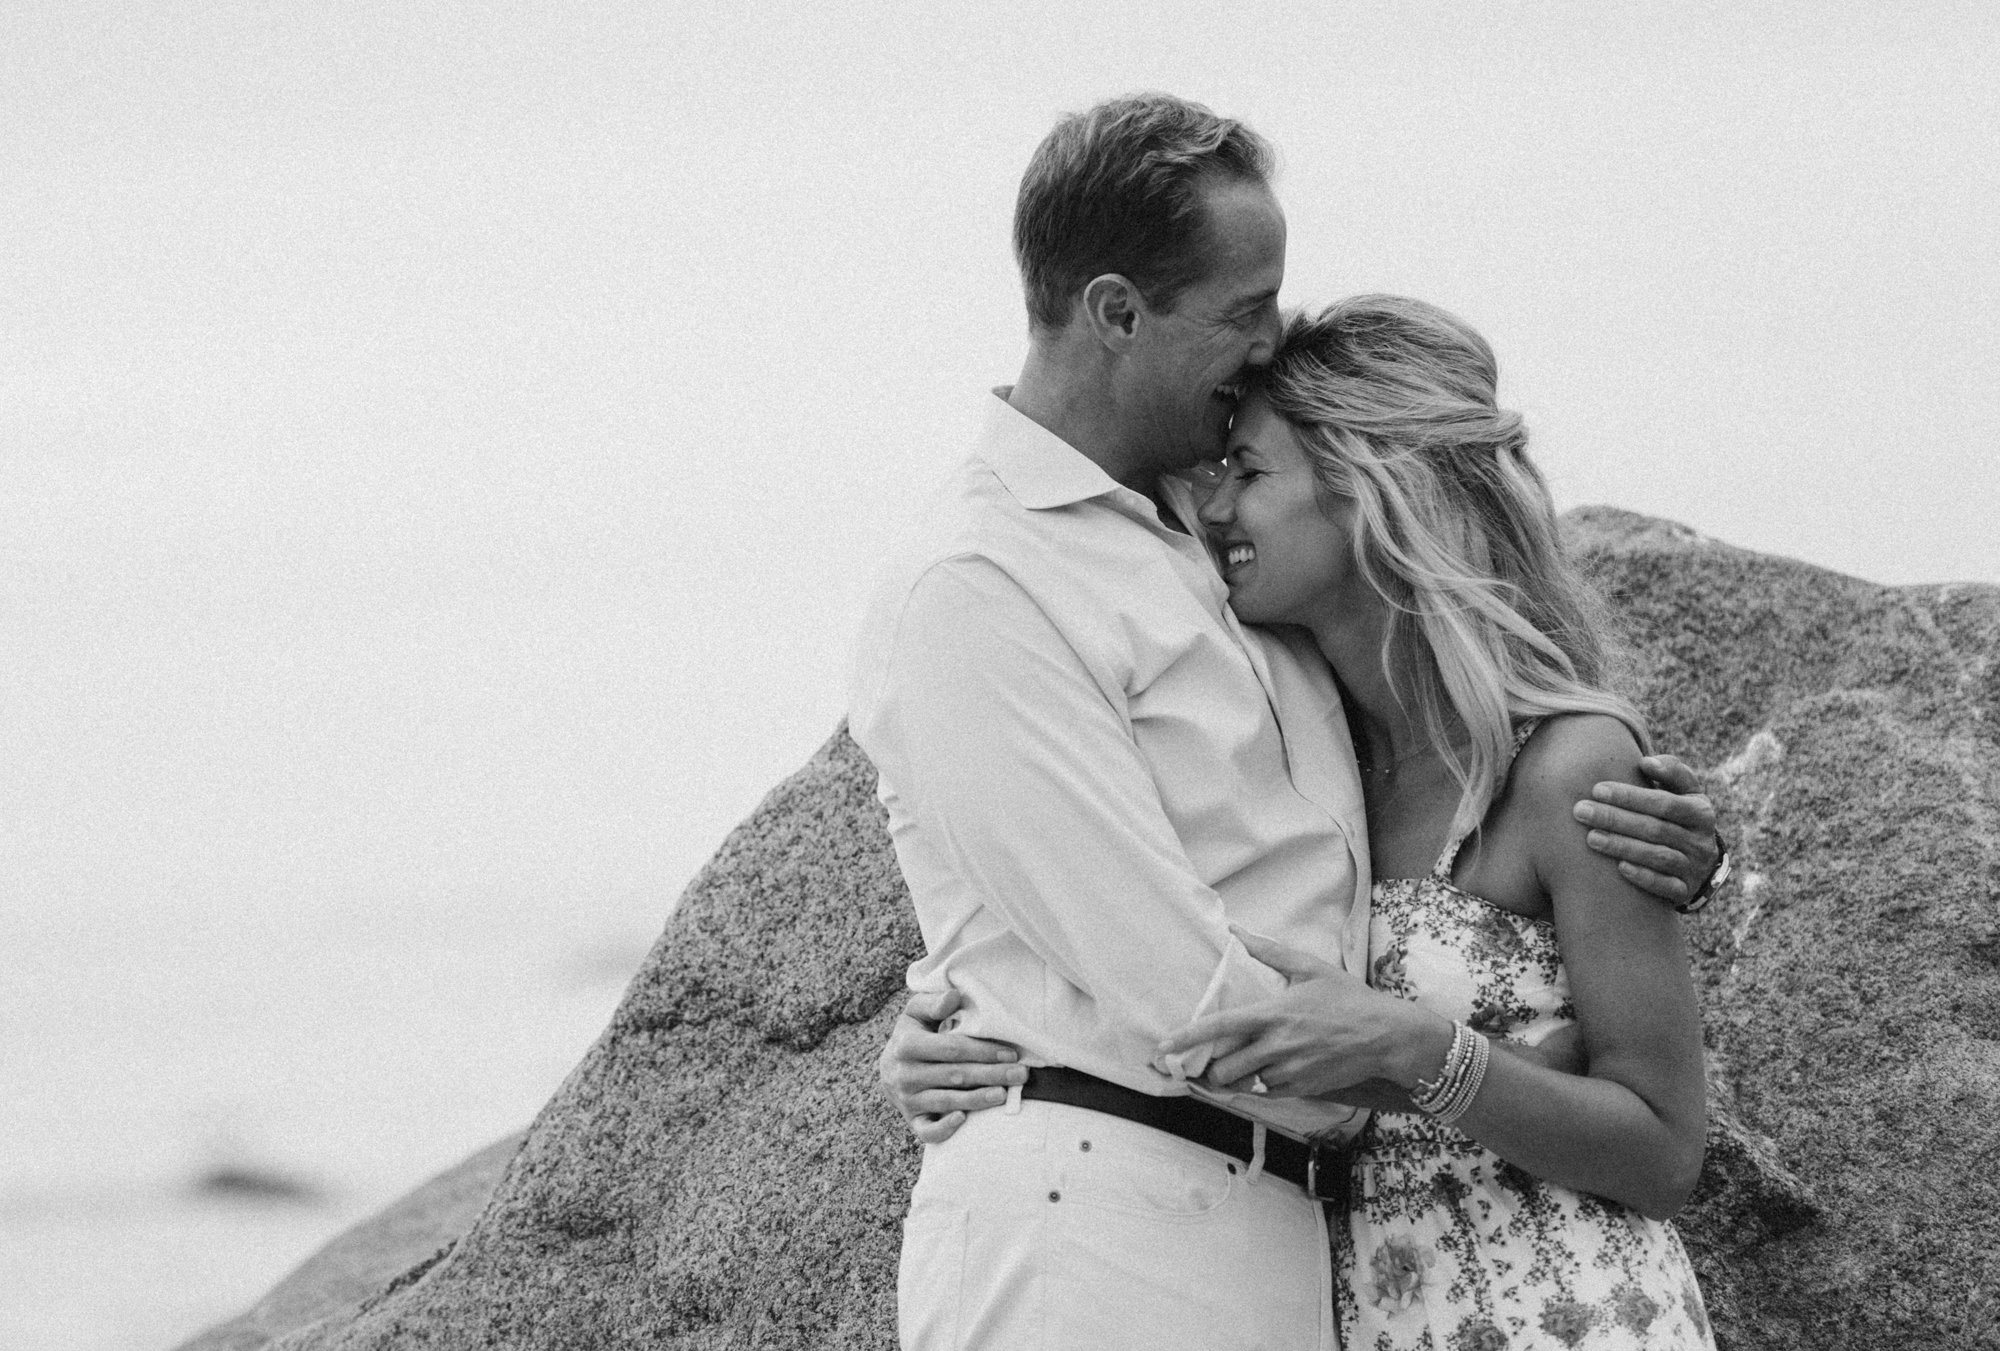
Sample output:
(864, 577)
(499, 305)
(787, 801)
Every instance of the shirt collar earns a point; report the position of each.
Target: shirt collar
(1178, 495)
(1038, 467)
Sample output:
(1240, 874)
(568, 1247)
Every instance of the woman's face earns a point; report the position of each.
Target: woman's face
(1283, 550)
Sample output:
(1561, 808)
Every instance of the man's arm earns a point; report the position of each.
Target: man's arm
(1020, 763)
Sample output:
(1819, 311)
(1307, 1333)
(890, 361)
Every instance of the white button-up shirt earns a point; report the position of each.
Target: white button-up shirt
(1092, 770)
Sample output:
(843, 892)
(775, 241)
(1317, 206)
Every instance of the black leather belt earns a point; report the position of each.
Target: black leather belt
(1322, 1170)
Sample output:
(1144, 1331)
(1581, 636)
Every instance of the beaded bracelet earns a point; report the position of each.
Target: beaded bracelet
(1469, 1085)
(1449, 1096)
(1432, 1096)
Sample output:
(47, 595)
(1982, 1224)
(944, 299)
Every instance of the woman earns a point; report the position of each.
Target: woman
(1376, 496)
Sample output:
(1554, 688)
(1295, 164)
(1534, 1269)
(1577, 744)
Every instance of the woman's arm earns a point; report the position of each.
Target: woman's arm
(1561, 1052)
(1631, 1127)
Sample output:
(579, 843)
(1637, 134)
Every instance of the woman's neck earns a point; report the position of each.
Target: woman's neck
(1389, 731)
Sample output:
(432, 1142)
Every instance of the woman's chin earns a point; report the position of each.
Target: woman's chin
(1243, 600)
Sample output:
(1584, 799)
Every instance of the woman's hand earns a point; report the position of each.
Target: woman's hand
(1327, 1032)
(934, 1078)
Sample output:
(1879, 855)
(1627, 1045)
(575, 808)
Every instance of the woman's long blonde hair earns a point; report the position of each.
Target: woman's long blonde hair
(1453, 527)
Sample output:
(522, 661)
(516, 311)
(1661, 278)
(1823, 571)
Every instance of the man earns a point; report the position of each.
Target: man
(1092, 772)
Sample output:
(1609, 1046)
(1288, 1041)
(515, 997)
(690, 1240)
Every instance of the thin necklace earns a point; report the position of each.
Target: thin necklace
(1374, 771)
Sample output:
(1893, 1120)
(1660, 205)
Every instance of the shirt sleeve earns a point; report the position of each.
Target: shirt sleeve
(1023, 763)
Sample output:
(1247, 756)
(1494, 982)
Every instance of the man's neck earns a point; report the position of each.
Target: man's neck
(1073, 401)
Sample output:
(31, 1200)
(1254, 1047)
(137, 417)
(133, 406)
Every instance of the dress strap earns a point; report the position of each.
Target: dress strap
(1523, 729)
(1441, 870)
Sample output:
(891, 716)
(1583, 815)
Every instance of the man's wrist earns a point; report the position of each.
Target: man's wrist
(1717, 877)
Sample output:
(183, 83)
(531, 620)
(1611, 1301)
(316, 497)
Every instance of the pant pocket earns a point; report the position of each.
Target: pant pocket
(929, 1280)
(1148, 1174)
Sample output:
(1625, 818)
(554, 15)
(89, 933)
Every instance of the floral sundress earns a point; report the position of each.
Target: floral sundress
(1447, 1247)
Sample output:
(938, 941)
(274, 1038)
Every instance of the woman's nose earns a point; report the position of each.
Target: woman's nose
(1218, 503)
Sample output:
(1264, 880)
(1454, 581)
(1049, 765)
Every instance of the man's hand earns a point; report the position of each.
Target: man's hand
(934, 1078)
(1663, 838)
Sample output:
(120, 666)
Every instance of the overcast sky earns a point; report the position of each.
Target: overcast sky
(443, 446)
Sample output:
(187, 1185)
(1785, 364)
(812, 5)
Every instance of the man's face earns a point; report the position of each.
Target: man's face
(1187, 371)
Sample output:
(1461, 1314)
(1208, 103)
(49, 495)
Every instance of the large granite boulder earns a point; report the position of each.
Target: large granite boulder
(718, 1171)
(1851, 983)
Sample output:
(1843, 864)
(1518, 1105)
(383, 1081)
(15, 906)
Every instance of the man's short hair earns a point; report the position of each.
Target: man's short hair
(1119, 189)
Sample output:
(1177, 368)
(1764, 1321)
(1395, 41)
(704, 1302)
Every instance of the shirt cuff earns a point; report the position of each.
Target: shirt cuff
(1238, 979)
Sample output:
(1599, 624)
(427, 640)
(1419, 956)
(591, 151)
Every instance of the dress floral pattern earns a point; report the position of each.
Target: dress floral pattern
(1447, 1247)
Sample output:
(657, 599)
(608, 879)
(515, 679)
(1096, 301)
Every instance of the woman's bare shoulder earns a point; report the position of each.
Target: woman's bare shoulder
(1566, 757)
(1572, 749)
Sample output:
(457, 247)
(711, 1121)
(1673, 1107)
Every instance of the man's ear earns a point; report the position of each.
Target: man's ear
(1114, 309)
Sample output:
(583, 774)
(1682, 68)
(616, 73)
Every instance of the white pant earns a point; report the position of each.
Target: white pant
(1057, 1227)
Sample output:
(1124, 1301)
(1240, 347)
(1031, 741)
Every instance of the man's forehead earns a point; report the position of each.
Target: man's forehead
(1232, 288)
(1246, 231)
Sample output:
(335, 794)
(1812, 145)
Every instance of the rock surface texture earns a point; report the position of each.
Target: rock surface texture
(718, 1171)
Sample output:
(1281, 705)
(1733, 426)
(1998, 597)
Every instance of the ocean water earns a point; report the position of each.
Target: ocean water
(346, 1061)
(325, 858)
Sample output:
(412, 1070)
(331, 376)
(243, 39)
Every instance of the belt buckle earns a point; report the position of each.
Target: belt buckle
(1338, 1180)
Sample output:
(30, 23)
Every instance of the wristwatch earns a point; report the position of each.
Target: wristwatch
(1717, 875)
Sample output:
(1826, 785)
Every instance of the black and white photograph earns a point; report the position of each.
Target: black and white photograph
(1308, 677)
